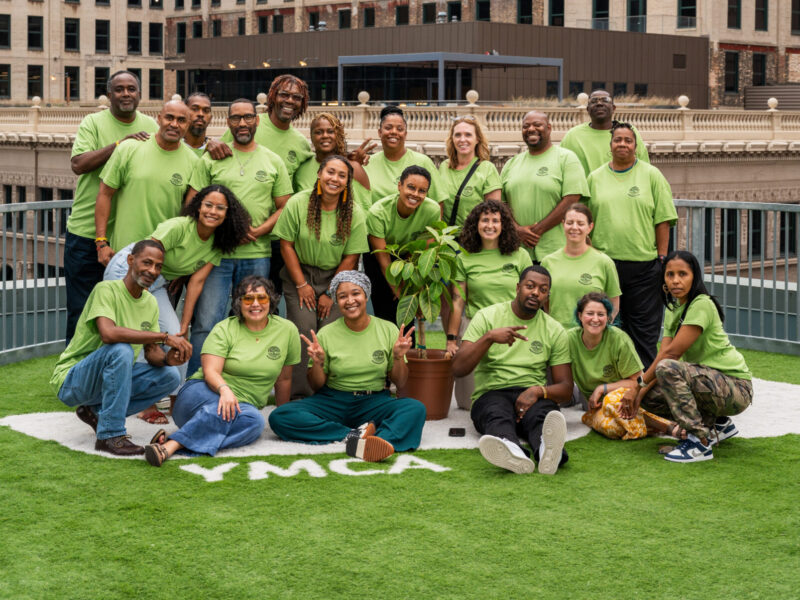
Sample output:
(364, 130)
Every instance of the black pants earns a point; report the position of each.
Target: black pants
(81, 273)
(494, 414)
(640, 307)
(275, 265)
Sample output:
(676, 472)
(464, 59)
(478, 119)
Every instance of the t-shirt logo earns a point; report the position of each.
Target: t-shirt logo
(199, 265)
(273, 353)
(336, 240)
(378, 357)
(146, 325)
(508, 267)
(608, 371)
(537, 347)
(261, 175)
(467, 191)
(176, 179)
(585, 279)
(291, 156)
(542, 171)
(634, 191)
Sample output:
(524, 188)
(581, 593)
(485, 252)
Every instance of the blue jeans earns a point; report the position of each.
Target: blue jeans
(114, 386)
(212, 305)
(81, 273)
(202, 430)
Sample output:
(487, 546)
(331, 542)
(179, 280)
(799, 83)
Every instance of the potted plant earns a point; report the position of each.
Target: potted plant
(422, 271)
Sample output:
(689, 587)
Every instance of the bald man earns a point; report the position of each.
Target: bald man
(539, 184)
(143, 183)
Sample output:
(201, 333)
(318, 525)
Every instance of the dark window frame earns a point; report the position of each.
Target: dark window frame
(133, 39)
(483, 5)
(637, 22)
(74, 73)
(196, 29)
(345, 18)
(34, 82)
(402, 14)
(101, 75)
(556, 13)
(731, 72)
(156, 86)
(100, 48)
(427, 9)
(5, 80)
(734, 16)
(760, 77)
(5, 31)
(241, 25)
(216, 27)
(277, 23)
(180, 38)
(685, 19)
(795, 17)
(761, 15)
(454, 10)
(36, 19)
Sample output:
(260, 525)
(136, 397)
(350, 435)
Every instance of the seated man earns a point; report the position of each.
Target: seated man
(511, 345)
(98, 371)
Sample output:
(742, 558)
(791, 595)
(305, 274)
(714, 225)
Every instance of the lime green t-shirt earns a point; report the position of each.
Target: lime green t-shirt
(197, 151)
(186, 252)
(524, 363)
(534, 184)
(614, 358)
(484, 180)
(384, 175)
(627, 207)
(110, 299)
(574, 276)
(253, 359)
(289, 144)
(593, 146)
(490, 277)
(96, 131)
(383, 220)
(358, 360)
(264, 179)
(150, 184)
(305, 178)
(327, 251)
(713, 348)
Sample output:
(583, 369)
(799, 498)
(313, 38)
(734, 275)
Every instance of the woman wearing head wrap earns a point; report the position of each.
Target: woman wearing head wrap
(349, 364)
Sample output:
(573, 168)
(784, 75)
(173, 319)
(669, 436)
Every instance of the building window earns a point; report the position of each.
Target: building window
(732, 72)
(157, 4)
(241, 25)
(599, 14)
(102, 2)
(551, 89)
(678, 61)
(637, 15)
(734, 14)
(344, 19)
(277, 23)
(180, 38)
(181, 83)
(5, 81)
(135, 3)
(762, 20)
(72, 35)
(240, 1)
(195, 3)
(35, 83)
(557, 13)
(453, 11)
(640, 89)
(72, 83)
(575, 88)
(789, 233)
(156, 84)
(138, 73)
(134, 37)
(35, 34)
(759, 68)
(197, 29)
(263, 24)
(369, 16)
(429, 13)
(401, 14)
(178, 4)
(598, 85)
(156, 46)
(102, 37)
(483, 11)
(525, 12)
(687, 14)
(215, 2)
(795, 17)
(313, 20)
(5, 31)
(216, 28)
(101, 75)
(620, 89)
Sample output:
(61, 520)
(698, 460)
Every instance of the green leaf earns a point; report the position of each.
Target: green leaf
(394, 271)
(408, 270)
(417, 279)
(444, 269)
(407, 309)
(415, 246)
(426, 306)
(454, 245)
(435, 290)
(426, 261)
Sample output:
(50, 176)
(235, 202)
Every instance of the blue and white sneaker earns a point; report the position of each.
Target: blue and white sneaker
(724, 428)
(690, 450)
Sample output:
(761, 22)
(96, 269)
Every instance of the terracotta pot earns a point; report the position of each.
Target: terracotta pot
(430, 380)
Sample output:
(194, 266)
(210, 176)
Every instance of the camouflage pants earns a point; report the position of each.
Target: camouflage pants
(695, 395)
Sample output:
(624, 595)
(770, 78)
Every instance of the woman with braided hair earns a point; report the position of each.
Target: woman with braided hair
(322, 231)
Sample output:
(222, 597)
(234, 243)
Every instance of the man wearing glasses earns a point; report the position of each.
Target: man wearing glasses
(591, 142)
(258, 178)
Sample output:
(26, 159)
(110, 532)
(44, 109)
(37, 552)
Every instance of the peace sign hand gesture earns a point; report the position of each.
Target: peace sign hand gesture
(403, 344)
(315, 351)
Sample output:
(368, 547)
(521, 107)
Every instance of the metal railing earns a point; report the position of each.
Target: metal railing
(749, 251)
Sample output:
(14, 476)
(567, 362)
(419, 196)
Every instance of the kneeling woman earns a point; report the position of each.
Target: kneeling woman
(349, 363)
(698, 378)
(243, 357)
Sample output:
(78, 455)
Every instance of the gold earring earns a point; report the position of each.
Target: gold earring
(319, 188)
(344, 196)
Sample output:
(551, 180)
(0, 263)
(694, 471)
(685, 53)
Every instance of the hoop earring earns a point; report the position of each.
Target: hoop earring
(665, 288)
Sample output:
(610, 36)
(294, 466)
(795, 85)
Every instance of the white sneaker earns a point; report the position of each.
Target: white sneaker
(554, 434)
(504, 454)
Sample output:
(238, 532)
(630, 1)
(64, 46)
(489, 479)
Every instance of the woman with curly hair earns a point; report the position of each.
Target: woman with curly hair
(487, 275)
(327, 139)
(322, 231)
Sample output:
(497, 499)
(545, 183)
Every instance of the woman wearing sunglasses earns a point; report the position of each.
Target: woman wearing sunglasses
(243, 357)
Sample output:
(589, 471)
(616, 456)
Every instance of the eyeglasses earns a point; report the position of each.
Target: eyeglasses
(286, 95)
(209, 205)
(248, 299)
(236, 119)
(601, 99)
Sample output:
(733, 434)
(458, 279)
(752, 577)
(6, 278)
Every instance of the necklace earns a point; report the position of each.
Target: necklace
(242, 166)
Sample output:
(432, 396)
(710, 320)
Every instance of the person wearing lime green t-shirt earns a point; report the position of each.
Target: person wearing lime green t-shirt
(633, 212)
(396, 219)
(350, 364)
(539, 184)
(143, 183)
(243, 357)
(98, 372)
(697, 378)
(322, 232)
(259, 180)
(486, 274)
(199, 105)
(511, 346)
(591, 141)
(99, 135)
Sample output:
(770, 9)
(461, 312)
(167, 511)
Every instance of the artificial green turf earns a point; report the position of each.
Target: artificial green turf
(615, 522)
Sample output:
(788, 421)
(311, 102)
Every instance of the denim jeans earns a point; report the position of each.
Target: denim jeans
(212, 305)
(202, 430)
(81, 273)
(114, 386)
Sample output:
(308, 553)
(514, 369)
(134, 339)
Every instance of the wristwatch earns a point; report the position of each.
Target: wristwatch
(640, 381)
(451, 337)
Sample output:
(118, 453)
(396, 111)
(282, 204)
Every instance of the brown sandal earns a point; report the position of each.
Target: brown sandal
(160, 437)
(155, 454)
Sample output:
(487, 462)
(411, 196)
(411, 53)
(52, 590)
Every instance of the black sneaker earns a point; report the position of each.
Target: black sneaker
(361, 443)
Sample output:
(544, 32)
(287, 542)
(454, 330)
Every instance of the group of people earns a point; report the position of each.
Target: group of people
(567, 240)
